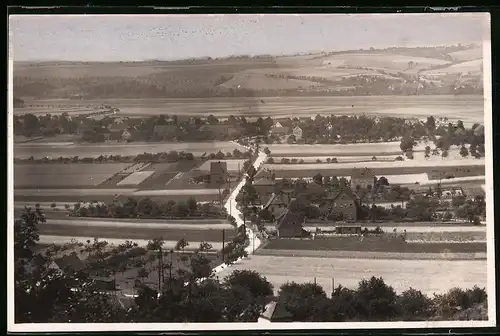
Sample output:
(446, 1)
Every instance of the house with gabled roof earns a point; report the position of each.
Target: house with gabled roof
(344, 204)
(290, 225)
(277, 204)
(279, 129)
(69, 263)
(275, 311)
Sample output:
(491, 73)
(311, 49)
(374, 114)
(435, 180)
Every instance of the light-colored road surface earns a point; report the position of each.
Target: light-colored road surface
(231, 207)
(429, 276)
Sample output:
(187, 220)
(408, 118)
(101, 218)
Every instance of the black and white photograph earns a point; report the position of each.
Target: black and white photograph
(250, 171)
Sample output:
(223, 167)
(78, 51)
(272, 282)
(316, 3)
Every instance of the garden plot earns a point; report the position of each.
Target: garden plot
(135, 178)
(434, 276)
(63, 175)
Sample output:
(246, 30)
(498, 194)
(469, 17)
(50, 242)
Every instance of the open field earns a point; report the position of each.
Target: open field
(81, 229)
(40, 150)
(474, 66)
(146, 224)
(467, 55)
(433, 275)
(373, 244)
(63, 175)
(470, 109)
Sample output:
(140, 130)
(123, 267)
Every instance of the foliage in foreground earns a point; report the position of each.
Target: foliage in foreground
(45, 295)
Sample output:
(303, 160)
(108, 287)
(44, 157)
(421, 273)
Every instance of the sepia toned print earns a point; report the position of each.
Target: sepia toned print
(259, 169)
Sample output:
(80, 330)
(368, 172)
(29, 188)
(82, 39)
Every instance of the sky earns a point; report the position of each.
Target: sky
(169, 37)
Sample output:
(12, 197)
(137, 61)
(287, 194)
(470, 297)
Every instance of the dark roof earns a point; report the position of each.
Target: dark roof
(289, 218)
(71, 262)
(118, 127)
(348, 191)
(276, 311)
(275, 199)
(363, 172)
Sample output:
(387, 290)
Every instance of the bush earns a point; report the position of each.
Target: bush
(375, 300)
(413, 305)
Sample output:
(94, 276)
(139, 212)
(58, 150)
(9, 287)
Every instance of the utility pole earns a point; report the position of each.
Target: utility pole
(223, 243)
(170, 271)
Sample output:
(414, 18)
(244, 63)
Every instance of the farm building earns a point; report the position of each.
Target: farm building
(265, 188)
(118, 128)
(69, 262)
(279, 129)
(277, 204)
(344, 204)
(362, 178)
(289, 225)
(275, 312)
(165, 131)
(218, 172)
(130, 134)
(297, 132)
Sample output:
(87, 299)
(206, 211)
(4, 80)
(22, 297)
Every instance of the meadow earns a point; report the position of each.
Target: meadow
(434, 276)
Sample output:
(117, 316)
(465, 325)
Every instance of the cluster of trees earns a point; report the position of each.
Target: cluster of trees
(47, 295)
(31, 125)
(374, 300)
(147, 208)
(445, 134)
(351, 129)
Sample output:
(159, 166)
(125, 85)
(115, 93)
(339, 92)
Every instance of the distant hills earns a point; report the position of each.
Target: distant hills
(391, 71)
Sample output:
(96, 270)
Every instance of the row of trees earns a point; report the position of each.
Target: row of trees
(147, 208)
(43, 294)
(171, 156)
